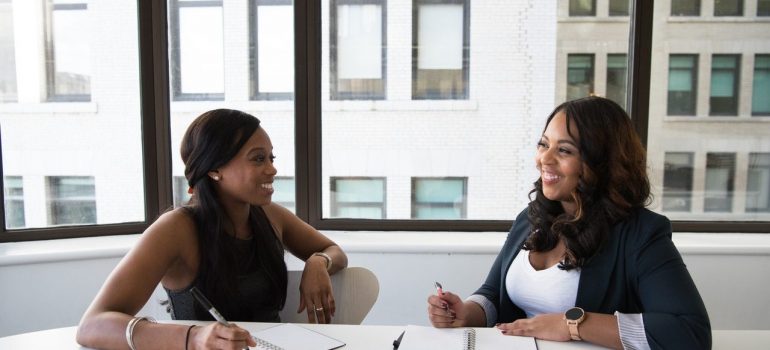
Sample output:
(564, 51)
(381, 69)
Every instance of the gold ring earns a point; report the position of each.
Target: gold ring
(319, 309)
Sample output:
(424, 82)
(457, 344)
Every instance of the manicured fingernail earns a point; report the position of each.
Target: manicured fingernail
(504, 332)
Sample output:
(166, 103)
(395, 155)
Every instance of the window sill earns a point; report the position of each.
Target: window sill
(718, 119)
(333, 106)
(719, 19)
(362, 242)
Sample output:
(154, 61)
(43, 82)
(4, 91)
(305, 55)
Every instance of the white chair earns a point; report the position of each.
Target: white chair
(355, 291)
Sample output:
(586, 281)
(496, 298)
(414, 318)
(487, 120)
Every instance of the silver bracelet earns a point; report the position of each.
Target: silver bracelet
(327, 257)
(130, 329)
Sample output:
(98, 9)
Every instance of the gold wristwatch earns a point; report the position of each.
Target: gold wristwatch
(573, 317)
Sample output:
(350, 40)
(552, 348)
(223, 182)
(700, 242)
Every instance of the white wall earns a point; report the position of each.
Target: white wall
(49, 284)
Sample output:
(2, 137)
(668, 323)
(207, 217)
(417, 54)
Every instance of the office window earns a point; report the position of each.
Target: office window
(677, 181)
(71, 200)
(181, 194)
(68, 47)
(760, 97)
(582, 7)
(682, 83)
(728, 7)
(725, 79)
(763, 8)
(14, 202)
(619, 7)
(616, 78)
(357, 46)
(685, 7)
(440, 50)
(271, 49)
(283, 194)
(720, 178)
(580, 75)
(439, 198)
(358, 197)
(196, 50)
(758, 183)
(7, 55)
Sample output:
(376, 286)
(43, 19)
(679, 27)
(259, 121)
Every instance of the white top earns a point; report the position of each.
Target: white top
(548, 291)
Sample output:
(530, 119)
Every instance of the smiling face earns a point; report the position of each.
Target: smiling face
(559, 162)
(248, 177)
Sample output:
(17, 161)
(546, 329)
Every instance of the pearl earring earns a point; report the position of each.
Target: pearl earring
(216, 178)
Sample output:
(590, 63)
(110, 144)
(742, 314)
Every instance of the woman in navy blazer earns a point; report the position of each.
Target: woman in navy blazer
(587, 241)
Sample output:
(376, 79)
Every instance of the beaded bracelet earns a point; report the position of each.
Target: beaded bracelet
(130, 329)
(187, 337)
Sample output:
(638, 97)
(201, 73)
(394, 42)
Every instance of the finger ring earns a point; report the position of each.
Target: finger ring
(319, 309)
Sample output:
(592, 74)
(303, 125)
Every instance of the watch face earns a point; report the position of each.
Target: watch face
(574, 313)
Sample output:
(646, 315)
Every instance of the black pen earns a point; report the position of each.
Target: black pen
(207, 305)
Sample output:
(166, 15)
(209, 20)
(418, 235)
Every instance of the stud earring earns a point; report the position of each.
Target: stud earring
(216, 178)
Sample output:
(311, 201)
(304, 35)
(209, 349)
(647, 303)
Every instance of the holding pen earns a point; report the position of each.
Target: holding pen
(218, 317)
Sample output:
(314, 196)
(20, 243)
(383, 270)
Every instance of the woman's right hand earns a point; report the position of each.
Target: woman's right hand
(219, 336)
(446, 310)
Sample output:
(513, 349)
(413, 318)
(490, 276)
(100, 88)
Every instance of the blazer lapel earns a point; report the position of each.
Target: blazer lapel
(595, 276)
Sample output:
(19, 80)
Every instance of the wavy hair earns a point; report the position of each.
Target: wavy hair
(211, 140)
(613, 182)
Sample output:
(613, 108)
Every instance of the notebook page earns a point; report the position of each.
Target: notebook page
(422, 338)
(290, 336)
(491, 338)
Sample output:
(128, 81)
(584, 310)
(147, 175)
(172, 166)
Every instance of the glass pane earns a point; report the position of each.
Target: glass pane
(250, 68)
(685, 7)
(580, 76)
(616, 78)
(582, 7)
(619, 7)
(720, 177)
(7, 54)
(677, 182)
(728, 7)
(758, 184)
(763, 8)
(358, 51)
(724, 83)
(681, 81)
(79, 158)
(483, 126)
(760, 99)
(14, 202)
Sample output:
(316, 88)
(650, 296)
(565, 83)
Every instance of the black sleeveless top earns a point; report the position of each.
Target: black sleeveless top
(256, 304)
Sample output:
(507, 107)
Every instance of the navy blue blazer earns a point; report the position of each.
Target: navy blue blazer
(639, 270)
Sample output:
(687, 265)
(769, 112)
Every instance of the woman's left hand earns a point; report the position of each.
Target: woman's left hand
(545, 326)
(315, 292)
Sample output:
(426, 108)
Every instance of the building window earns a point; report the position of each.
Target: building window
(357, 46)
(271, 49)
(440, 51)
(758, 183)
(763, 8)
(283, 194)
(358, 197)
(685, 7)
(441, 198)
(197, 50)
(14, 202)
(682, 80)
(760, 98)
(71, 200)
(582, 7)
(69, 52)
(7, 57)
(725, 79)
(728, 7)
(616, 78)
(580, 75)
(618, 7)
(720, 178)
(677, 181)
(181, 194)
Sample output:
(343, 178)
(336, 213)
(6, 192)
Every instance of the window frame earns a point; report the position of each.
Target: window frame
(766, 71)
(334, 93)
(736, 91)
(693, 84)
(156, 147)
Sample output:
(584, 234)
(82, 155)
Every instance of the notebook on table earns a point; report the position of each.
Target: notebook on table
(289, 336)
(422, 338)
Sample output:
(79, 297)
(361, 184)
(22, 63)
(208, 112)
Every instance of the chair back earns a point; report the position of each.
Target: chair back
(355, 291)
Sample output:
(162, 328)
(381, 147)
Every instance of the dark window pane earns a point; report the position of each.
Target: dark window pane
(618, 7)
(728, 7)
(677, 182)
(720, 178)
(724, 84)
(685, 7)
(582, 7)
(682, 73)
(758, 183)
(580, 75)
(616, 78)
(763, 8)
(760, 98)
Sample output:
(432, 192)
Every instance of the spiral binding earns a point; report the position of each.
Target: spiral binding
(266, 345)
(469, 339)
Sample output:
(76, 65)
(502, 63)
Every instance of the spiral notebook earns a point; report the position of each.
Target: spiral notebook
(288, 336)
(427, 338)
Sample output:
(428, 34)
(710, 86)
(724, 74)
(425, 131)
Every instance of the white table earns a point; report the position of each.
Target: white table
(370, 337)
